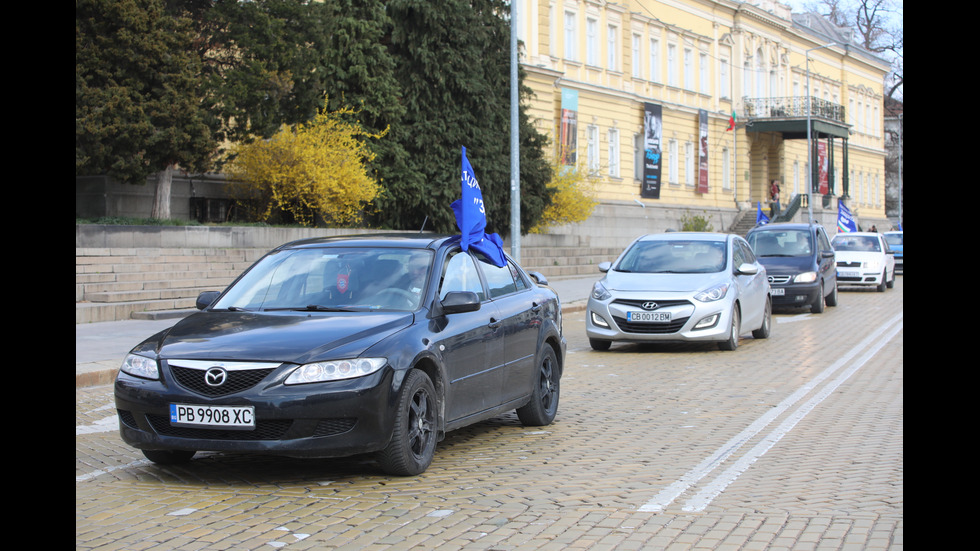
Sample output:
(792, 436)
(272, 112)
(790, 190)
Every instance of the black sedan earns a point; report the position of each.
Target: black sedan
(340, 346)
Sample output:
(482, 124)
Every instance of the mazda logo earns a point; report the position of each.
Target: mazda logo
(215, 376)
(649, 305)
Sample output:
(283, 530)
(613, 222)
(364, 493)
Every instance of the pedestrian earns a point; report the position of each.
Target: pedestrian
(774, 197)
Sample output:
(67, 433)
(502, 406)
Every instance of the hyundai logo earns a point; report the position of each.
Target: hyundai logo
(215, 376)
(649, 305)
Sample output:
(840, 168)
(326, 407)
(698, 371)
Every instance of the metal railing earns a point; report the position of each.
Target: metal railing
(792, 107)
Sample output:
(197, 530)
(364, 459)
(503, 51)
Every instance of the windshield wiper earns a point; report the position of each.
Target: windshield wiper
(311, 308)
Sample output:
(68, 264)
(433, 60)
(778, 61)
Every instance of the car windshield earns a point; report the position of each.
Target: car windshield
(332, 279)
(856, 243)
(781, 243)
(676, 257)
(893, 239)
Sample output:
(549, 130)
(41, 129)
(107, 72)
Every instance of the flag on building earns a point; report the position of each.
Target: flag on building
(845, 222)
(471, 219)
(760, 218)
(731, 122)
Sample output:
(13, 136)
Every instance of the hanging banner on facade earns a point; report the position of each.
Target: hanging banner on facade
(568, 131)
(823, 169)
(652, 133)
(703, 152)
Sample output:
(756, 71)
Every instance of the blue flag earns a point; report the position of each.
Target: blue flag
(471, 219)
(845, 222)
(760, 218)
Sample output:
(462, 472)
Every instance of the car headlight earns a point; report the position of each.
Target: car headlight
(335, 370)
(717, 292)
(140, 366)
(806, 277)
(599, 291)
(872, 264)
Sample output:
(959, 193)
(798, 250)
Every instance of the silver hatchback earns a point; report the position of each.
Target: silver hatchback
(681, 287)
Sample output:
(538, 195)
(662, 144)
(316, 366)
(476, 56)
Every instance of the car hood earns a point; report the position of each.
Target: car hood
(859, 256)
(663, 283)
(276, 336)
(782, 265)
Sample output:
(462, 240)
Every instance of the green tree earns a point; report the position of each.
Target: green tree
(452, 61)
(137, 95)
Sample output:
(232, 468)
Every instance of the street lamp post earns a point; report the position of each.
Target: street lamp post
(809, 131)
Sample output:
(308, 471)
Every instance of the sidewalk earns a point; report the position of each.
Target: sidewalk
(101, 347)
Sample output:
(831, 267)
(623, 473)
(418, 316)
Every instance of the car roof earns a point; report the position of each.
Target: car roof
(398, 240)
(857, 234)
(785, 226)
(695, 236)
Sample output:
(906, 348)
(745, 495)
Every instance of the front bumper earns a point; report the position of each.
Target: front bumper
(685, 315)
(793, 294)
(859, 276)
(314, 420)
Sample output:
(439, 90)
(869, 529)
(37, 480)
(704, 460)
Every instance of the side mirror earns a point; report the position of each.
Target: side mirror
(206, 298)
(460, 301)
(604, 266)
(539, 277)
(747, 269)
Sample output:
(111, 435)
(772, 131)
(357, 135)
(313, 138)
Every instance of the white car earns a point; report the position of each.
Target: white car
(681, 287)
(864, 258)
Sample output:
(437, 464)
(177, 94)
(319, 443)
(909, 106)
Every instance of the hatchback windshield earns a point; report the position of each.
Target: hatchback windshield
(856, 243)
(332, 279)
(781, 243)
(676, 257)
(894, 239)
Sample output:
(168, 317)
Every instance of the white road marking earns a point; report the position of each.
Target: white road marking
(667, 496)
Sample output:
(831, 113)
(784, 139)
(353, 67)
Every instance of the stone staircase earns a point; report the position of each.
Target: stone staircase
(114, 284)
(147, 283)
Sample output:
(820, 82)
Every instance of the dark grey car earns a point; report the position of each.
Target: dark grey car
(800, 263)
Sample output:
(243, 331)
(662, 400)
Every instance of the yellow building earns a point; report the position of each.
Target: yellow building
(643, 92)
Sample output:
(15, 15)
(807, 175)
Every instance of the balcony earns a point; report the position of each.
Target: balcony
(788, 116)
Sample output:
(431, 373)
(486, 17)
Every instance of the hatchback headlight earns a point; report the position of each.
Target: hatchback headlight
(717, 292)
(806, 277)
(599, 291)
(140, 366)
(335, 370)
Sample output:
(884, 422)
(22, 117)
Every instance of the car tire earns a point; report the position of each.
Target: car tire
(763, 332)
(891, 282)
(817, 307)
(883, 284)
(732, 342)
(413, 439)
(599, 344)
(832, 298)
(168, 457)
(543, 407)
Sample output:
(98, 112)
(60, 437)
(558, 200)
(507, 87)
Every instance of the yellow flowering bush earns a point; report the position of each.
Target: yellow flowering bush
(573, 198)
(307, 170)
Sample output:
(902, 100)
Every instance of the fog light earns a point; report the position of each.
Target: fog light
(707, 322)
(598, 321)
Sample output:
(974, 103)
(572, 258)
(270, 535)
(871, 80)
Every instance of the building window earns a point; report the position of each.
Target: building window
(638, 156)
(636, 56)
(592, 150)
(654, 60)
(592, 42)
(688, 69)
(726, 169)
(672, 161)
(614, 153)
(689, 163)
(703, 70)
(612, 48)
(571, 41)
(671, 65)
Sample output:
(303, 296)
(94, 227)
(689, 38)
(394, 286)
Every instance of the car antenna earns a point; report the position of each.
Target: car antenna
(422, 229)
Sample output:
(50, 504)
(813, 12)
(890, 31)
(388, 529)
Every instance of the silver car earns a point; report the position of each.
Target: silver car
(681, 287)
